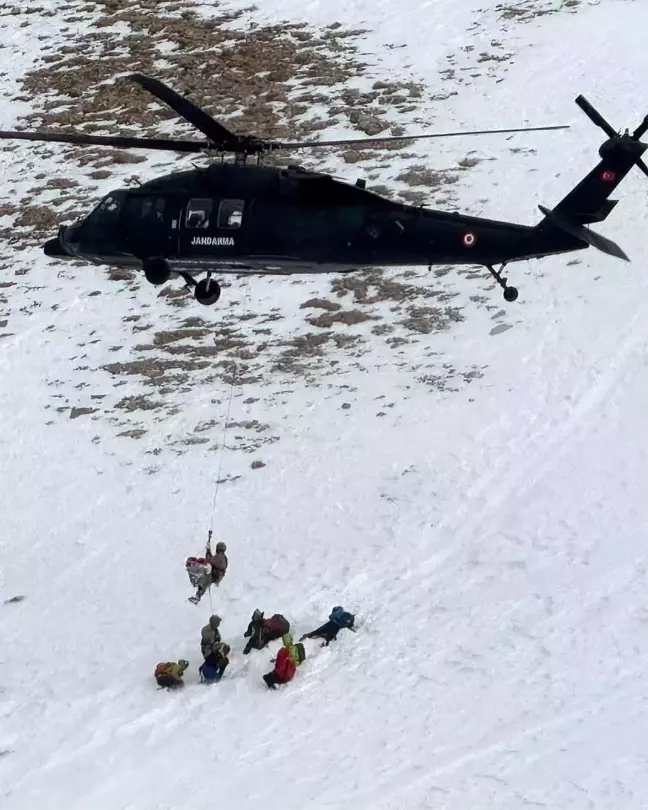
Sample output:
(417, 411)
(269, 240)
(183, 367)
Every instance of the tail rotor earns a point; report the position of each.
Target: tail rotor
(597, 119)
(589, 201)
(637, 134)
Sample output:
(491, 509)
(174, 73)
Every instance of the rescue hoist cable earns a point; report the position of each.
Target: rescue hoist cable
(225, 428)
(211, 607)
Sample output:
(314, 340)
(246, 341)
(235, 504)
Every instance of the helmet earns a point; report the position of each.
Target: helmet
(257, 615)
(220, 547)
(214, 621)
(225, 649)
(183, 664)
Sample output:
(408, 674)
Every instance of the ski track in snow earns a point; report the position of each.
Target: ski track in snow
(490, 539)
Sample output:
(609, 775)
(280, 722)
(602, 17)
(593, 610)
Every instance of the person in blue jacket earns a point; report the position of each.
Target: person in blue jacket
(338, 619)
(215, 664)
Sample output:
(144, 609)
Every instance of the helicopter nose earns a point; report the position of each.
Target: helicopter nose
(57, 248)
(85, 240)
(54, 249)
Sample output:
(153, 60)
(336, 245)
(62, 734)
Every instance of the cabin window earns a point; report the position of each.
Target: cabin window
(198, 213)
(230, 213)
(153, 208)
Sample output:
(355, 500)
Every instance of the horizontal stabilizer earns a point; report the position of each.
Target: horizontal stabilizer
(586, 218)
(584, 234)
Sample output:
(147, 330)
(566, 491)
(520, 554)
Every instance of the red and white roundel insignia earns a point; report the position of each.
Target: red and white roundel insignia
(469, 239)
(608, 176)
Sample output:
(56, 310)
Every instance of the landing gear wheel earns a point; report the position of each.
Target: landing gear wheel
(156, 271)
(207, 291)
(510, 293)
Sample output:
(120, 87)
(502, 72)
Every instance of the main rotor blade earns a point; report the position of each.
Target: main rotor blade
(110, 140)
(641, 130)
(595, 116)
(641, 165)
(203, 122)
(383, 139)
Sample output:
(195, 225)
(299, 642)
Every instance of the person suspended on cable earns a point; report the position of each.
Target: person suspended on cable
(218, 562)
(208, 570)
(199, 571)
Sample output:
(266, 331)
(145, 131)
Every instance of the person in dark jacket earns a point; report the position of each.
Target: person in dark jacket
(338, 620)
(285, 666)
(255, 623)
(262, 631)
(215, 664)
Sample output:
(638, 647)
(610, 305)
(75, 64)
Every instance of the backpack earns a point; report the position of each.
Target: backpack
(342, 617)
(162, 669)
(165, 679)
(277, 624)
(301, 653)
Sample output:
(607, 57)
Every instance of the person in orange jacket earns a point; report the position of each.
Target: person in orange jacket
(285, 666)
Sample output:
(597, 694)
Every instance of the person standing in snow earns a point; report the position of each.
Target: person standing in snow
(284, 668)
(210, 636)
(339, 619)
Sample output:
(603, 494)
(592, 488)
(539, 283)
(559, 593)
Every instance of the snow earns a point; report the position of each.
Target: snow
(491, 539)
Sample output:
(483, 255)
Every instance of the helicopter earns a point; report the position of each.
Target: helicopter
(241, 218)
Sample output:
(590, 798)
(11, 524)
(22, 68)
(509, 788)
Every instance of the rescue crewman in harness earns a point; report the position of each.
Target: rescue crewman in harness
(208, 570)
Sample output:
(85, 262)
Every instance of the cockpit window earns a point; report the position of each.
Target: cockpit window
(198, 213)
(108, 208)
(110, 204)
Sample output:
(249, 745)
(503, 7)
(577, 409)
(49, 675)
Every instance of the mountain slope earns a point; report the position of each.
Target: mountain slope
(480, 505)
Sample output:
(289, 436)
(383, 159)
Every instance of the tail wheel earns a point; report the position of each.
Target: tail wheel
(207, 291)
(157, 271)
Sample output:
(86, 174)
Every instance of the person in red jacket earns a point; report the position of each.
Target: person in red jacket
(285, 666)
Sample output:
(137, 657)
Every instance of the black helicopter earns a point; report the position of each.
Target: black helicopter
(250, 219)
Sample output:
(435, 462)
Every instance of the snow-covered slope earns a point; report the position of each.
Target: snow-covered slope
(475, 494)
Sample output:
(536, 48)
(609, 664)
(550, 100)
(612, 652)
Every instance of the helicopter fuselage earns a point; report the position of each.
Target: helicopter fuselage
(251, 219)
